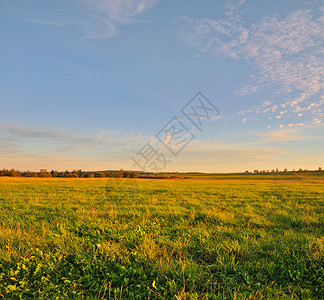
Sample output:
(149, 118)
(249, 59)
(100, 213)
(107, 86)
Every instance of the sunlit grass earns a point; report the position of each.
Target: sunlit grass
(166, 239)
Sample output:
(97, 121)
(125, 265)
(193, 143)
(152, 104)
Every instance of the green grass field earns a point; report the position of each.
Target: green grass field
(215, 237)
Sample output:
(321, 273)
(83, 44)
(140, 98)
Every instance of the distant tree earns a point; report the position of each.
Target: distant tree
(55, 173)
(44, 173)
(319, 169)
(119, 174)
(285, 170)
(130, 174)
(88, 175)
(300, 170)
(277, 170)
(74, 174)
(28, 174)
(306, 171)
(294, 171)
(100, 174)
(12, 173)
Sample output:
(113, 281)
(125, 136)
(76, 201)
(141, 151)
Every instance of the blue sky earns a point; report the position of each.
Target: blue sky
(89, 83)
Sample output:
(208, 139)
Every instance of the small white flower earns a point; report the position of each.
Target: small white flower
(97, 246)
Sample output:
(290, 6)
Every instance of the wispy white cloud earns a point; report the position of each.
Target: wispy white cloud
(215, 157)
(109, 14)
(272, 44)
(104, 16)
(50, 23)
(296, 109)
(287, 53)
(37, 132)
(281, 135)
(22, 141)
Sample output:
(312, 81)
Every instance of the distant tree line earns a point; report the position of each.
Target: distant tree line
(43, 173)
(285, 171)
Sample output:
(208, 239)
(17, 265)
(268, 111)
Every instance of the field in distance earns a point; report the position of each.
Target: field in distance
(204, 237)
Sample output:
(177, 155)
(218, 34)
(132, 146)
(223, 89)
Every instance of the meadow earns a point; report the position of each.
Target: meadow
(204, 237)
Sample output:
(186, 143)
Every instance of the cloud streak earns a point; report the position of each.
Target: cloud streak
(103, 17)
(281, 135)
(26, 141)
(109, 14)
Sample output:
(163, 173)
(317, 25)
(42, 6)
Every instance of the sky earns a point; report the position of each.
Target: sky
(152, 85)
